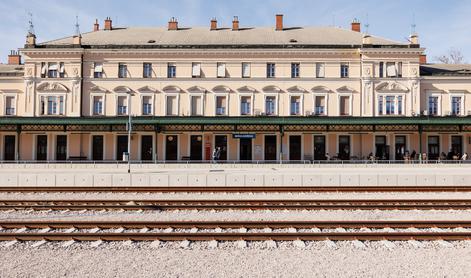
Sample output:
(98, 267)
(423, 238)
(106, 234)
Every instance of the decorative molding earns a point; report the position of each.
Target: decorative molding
(52, 87)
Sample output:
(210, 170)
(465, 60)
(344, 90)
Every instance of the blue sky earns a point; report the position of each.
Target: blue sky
(441, 24)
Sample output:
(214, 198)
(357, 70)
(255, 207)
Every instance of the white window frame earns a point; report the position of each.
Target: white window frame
(348, 69)
(152, 101)
(92, 104)
(190, 99)
(117, 103)
(317, 67)
(249, 69)
(434, 94)
(226, 95)
(301, 101)
(51, 94)
(196, 69)
(177, 95)
(15, 103)
(97, 68)
(462, 107)
(396, 103)
(350, 103)
(251, 95)
(276, 112)
(221, 66)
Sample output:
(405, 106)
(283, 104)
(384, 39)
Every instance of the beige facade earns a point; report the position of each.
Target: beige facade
(274, 93)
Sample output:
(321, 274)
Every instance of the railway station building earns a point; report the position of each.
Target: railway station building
(251, 93)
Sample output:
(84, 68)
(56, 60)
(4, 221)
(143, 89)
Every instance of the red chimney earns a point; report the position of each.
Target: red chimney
(235, 24)
(279, 22)
(214, 24)
(423, 59)
(173, 24)
(356, 26)
(108, 24)
(96, 26)
(14, 58)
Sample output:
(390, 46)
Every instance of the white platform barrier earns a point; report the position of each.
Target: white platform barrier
(231, 179)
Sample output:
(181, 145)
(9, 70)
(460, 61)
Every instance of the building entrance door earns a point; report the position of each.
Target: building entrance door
(97, 147)
(146, 147)
(344, 147)
(400, 147)
(270, 147)
(319, 147)
(220, 141)
(41, 147)
(295, 147)
(245, 149)
(196, 147)
(433, 147)
(61, 147)
(9, 147)
(382, 152)
(171, 147)
(457, 146)
(121, 146)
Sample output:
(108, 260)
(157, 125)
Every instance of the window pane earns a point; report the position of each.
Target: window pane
(320, 70)
(245, 69)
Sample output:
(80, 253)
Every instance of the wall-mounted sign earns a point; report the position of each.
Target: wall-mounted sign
(243, 136)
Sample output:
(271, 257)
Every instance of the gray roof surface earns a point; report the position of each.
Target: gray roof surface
(445, 69)
(223, 36)
(11, 69)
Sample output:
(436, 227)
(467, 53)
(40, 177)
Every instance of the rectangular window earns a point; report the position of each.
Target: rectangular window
(122, 71)
(390, 105)
(171, 70)
(147, 70)
(320, 105)
(196, 106)
(245, 105)
(98, 70)
(381, 69)
(220, 105)
(344, 105)
(196, 70)
(433, 105)
(295, 105)
(391, 70)
(52, 105)
(221, 67)
(344, 70)
(10, 105)
(122, 105)
(399, 69)
(270, 105)
(245, 70)
(43, 69)
(456, 106)
(52, 69)
(270, 70)
(320, 70)
(97, 105)
(61, 70)
(146, 105)
(399, 105)
(294, 70)
(380, 105)
(172, 106)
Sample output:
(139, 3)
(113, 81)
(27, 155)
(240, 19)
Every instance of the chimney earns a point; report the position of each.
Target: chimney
(108, 24)
(173, 24)
(96, 26)
(77, 40)
(356, 26)
(279, 22)
(235, 24)
(423, 59)
(31, 40)
(14, 58)
(414, 39)
(214, 24)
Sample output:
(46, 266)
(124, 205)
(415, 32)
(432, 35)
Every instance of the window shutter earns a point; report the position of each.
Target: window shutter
(62, 68)
(320, 69)
(391, 69)
(245, 70)
(52, 66)
(44, 68)
(221, 70)
(196, 69)
(98, 67)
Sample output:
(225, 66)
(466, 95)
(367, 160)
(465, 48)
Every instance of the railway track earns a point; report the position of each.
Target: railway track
(230, 189)
(357, 233)
(363, 204)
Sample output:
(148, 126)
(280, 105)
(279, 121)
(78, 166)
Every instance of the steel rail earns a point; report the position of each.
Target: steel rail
(85, 224)
(240, 189)
(373, 236)
(237, 204)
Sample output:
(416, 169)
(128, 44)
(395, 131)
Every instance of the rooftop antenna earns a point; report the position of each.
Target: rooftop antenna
(413, 25)
(30, 22)
(77, 26)
(367, 25)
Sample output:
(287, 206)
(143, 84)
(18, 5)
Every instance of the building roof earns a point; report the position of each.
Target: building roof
(203, 36)
(11, 70)
(445, 69)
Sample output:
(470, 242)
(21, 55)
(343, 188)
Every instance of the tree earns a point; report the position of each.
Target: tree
(454, 56)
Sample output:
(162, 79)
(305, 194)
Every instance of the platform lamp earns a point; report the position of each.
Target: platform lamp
(129, 128)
